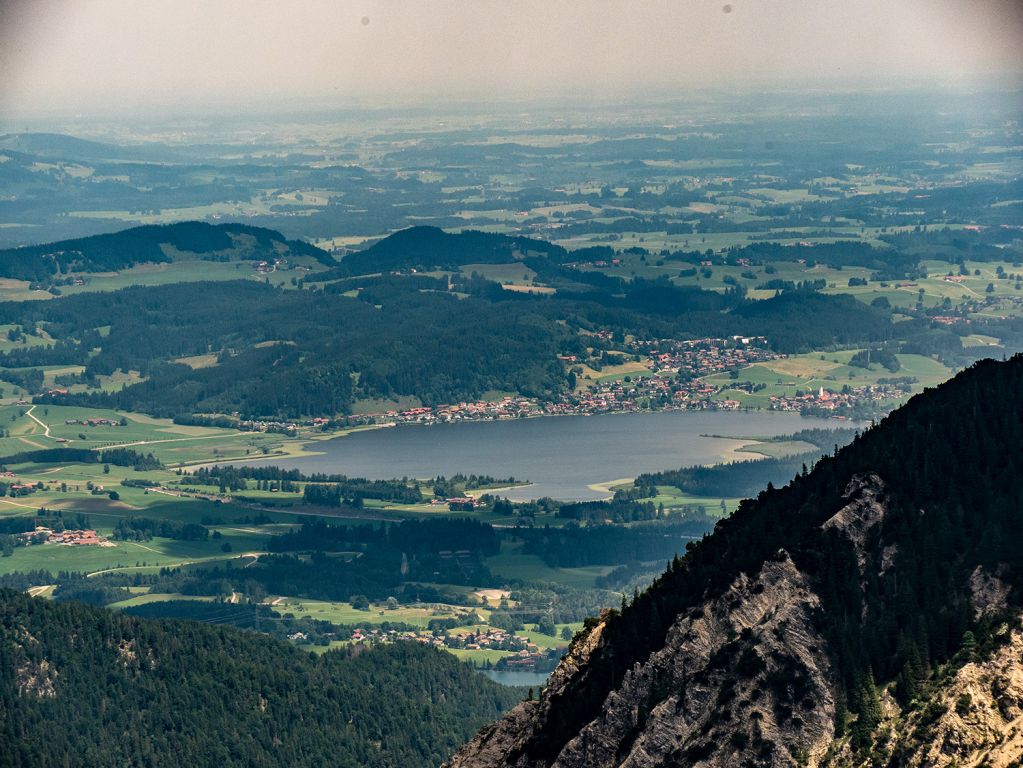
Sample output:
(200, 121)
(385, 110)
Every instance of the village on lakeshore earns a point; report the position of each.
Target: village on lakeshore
(640, 375)
(668, 374)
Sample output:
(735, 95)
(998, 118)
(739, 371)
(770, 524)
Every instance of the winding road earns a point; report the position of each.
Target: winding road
(46, 427)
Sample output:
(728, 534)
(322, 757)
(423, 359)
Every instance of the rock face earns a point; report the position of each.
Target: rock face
(742, 679)
(861, 515)
(975, 720)
(989, 594)
(745, 679)
(36, 678)
(982, 722)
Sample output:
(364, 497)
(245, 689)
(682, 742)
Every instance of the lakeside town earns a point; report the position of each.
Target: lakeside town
(673, 376)
(662, 375)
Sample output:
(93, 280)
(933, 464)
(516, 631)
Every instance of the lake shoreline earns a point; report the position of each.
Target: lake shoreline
(571, 459)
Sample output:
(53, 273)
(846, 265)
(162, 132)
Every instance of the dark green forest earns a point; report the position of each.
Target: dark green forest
(298, 353)
(82, 686)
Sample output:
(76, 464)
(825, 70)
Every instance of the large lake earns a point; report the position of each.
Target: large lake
(562, 456)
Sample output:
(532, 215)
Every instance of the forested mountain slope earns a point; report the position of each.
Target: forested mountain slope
(296, 353)
(824, 623)
(81, 686)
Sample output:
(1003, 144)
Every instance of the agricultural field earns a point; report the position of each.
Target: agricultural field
(28, 427)
(239, 543)
(148, 275)
(513, 564)
(831, 371)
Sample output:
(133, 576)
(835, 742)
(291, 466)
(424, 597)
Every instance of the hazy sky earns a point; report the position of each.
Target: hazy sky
(63, 57)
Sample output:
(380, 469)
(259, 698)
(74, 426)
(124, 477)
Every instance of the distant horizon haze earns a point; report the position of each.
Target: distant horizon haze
(110, 58)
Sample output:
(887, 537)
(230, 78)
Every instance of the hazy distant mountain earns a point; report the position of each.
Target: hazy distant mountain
(867, 614)
(63, 147)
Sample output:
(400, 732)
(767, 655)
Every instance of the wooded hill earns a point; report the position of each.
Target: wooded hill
(82, 686)
(152, 244)
(428, 248)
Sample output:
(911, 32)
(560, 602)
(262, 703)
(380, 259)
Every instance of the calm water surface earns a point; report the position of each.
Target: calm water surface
(516, 677)
(562, 456)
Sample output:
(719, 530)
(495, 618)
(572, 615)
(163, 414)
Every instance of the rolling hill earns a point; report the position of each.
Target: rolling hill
(152, 244)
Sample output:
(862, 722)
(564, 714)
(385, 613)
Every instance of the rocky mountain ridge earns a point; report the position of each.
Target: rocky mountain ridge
(774, 667)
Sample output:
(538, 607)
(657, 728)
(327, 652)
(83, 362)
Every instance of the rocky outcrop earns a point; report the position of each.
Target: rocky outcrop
(988, 593)
(972, 720)
(745, 679)
(741, 679)
(861, 515)
(982, 720)
(36, 678)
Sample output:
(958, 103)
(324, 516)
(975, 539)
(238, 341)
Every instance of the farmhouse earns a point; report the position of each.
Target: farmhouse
(76, 538)
(67, 538)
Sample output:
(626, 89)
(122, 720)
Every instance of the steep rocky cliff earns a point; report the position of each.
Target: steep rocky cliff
(716, 693)
(866, 614)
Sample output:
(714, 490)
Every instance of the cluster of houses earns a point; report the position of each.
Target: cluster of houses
(985, 305)
(702, 357)
(649, 392)
(599, 263)
(67, 538)
(95, 422)
(278, 427)
(266, 267)
(505, 408)
(22, 489)
(849, 397)
(490, 639)
(526, 661)
(663, 359)
(609, 396)
(458, 504)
